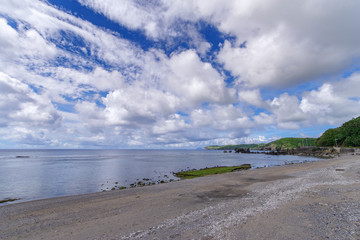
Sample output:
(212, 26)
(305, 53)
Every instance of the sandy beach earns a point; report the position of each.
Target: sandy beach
(318, 200)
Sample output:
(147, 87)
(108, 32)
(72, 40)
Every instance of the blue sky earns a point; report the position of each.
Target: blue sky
(175, 74)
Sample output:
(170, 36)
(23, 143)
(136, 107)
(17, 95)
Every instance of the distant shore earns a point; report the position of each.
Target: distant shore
(309, 151)
(304, 201)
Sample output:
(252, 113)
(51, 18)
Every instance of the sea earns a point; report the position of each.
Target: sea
(38, 174)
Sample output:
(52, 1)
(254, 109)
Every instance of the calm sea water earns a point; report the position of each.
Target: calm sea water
(38, 174)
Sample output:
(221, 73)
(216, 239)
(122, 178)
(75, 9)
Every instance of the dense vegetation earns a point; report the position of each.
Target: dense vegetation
(286, 143)
(280, 143)
(233, 147)
(348, 135)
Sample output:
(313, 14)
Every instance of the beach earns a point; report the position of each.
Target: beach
(317, 200)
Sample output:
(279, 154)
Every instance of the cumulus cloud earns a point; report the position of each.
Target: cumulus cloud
(98, 79)
(264, 119)
(26, 117)
(286, 108)
(19, 104)
(173, 124)
(251, 96)
(220, 141)
(331, 104)
(295, 45)
(221, 118)
(137, 105)
(65, 80)
(185, 83)
(196, 81)
(286, 43)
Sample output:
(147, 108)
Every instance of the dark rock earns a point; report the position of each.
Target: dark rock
(242, 150)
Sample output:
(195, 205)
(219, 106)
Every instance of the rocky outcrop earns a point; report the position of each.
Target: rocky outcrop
(242, 150)
(321, 152)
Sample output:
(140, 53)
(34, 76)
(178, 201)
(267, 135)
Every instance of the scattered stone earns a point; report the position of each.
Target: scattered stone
(140, 184)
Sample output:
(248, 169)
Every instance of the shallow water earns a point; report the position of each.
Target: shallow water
(38, 174)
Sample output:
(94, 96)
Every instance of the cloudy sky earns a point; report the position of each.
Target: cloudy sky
(175, 74)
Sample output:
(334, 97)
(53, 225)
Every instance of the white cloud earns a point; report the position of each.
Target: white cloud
(286, 108)
(173, 124)
(99, 79)
(64, 80)
(289, 43)
(89, 111)
(219, 117)
(286, 43)
(137, 105)
(134, 15)
(25, 116)
(349, 87)
(252, 97)
(330, 104)
(264, 119)
(20, 105)
(220, 141)
(196, 82)
(51, 24)
(27, 44)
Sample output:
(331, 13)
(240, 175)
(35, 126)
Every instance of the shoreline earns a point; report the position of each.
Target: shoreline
(115, 183)
(216, 206)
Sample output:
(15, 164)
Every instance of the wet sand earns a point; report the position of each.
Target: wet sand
(318, 200)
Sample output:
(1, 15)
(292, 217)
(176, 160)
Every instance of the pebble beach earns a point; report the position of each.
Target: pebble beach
(317, 200)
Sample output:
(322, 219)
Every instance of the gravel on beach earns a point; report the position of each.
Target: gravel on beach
(318, 200)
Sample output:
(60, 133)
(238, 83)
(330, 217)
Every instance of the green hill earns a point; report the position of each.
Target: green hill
(286, 143)
(348, 135)
(232, 147)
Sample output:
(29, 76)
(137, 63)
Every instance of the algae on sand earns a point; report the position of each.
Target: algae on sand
(210, 171)
(9, 200)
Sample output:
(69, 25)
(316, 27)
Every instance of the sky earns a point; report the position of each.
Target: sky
(175, 74)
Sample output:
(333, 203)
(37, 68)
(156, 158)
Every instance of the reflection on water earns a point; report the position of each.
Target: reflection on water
(37, 174)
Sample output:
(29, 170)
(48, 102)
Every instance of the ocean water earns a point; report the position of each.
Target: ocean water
(38, 174)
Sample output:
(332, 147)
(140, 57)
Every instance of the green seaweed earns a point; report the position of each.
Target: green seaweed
(210, 171)
(8, 200)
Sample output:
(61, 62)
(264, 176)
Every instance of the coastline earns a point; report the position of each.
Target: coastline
(57, 173)
(216, 207)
